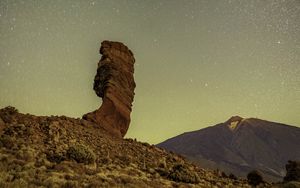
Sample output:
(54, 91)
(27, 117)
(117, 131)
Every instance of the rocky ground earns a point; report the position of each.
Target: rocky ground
(58, 151)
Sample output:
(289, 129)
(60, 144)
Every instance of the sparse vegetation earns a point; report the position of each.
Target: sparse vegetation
(291, 184)
(292, 171)
(255, 178)
(6, 141)
(39, 151)
(181, 173)
(224, 175)
(55, 156)
(232, 176)
(10, 110)
(81, 154)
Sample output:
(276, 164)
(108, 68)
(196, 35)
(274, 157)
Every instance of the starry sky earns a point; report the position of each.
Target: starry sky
(197, 62)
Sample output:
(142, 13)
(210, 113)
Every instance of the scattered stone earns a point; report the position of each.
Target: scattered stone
(10, 110)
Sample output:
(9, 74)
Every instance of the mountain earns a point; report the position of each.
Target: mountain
(240, 145)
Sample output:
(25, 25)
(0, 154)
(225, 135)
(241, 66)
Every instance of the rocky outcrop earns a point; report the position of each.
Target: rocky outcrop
(114, 83)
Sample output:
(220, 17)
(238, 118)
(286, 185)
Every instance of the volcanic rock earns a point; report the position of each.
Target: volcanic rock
(240, 145)
(114, 83)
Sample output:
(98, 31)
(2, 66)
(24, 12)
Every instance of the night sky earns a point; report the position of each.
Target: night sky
(197, 62)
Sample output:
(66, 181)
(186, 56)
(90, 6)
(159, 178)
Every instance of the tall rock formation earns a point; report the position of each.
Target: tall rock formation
(114, 83)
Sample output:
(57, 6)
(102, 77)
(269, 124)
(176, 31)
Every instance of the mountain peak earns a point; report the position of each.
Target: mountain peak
(234, 122)
(235, 118)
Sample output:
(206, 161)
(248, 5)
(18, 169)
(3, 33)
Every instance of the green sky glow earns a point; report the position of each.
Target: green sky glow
(197, 62)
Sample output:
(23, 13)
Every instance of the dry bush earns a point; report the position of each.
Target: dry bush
(181, 173)
(255, 178)
(81, 154)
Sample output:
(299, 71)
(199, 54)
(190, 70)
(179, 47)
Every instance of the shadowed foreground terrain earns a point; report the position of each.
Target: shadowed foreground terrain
(66, 152)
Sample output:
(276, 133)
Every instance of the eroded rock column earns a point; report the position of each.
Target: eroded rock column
(114, 83)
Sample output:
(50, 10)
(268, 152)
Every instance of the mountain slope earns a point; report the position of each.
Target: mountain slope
(240, 145)
(58, 151)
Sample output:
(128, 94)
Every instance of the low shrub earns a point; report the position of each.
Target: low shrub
(180, 173)
(81, 154)
(7, 141)
(232, 176)
(255, 178)
(55, 156)
(292, 171)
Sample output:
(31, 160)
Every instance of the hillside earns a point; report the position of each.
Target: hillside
(59, 151)
(241, 145)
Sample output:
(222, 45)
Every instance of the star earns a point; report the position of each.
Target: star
(234, 54)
